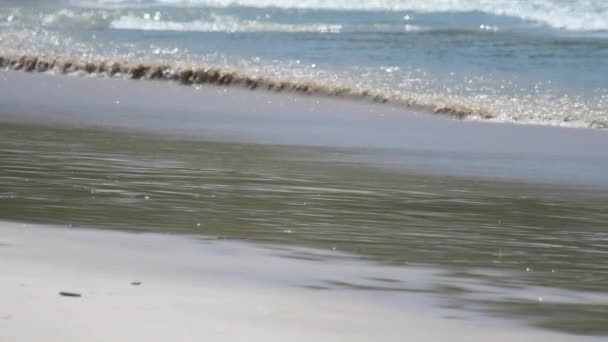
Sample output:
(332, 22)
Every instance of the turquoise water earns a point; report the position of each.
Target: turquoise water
(540, 61)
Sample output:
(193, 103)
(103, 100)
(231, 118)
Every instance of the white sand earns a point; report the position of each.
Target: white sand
(193, 290)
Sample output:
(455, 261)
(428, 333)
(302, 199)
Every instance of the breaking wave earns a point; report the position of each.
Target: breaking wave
(591, 15)
(203, 22)
(218, 24)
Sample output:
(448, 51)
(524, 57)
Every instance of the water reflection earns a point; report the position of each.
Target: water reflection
(505, 245)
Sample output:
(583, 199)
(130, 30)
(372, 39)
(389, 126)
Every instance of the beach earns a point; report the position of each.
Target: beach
(235, 114)
(191, 290)
(311, 170)
(423, 214)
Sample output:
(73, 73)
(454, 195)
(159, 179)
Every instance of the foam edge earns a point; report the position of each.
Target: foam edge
(187, 75)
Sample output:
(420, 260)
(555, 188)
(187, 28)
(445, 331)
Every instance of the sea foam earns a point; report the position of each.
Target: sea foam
(218, 24)
(591, 15)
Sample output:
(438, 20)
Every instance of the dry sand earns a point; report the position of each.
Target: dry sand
(194, 290)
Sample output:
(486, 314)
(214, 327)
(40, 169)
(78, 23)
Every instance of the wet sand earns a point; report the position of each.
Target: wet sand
(302, 138)
(399, 138)
(193, 290)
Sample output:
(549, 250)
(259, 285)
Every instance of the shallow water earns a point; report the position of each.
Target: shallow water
(540, 61)
(532, 252)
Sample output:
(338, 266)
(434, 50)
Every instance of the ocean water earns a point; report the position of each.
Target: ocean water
(533, 61)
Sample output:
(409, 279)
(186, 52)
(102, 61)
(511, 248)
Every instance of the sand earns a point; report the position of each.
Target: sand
(193, 290)
(418, 142)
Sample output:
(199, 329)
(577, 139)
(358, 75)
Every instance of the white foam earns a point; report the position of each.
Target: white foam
(589, 15)
(218, 24)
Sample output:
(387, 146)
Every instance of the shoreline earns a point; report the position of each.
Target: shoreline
(115, 153)
(191, 289)
(188, 75)
(185, 171)
(389, 137)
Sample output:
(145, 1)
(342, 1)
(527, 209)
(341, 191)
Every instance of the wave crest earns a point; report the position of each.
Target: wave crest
(591, 15)
(218, 24)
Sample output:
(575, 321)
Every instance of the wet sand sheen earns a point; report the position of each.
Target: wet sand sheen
(435, 144)
(385, 184)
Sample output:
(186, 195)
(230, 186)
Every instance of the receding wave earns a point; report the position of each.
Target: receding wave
(216, 76)
(541, 110)
(218, 24)
(589, 15)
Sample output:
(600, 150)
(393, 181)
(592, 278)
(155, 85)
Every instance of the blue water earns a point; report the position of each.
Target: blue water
(537, 61)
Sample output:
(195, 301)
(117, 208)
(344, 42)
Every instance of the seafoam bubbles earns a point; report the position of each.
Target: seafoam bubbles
(217, 23)
(574, 15)
(156, 16)
(492, 28)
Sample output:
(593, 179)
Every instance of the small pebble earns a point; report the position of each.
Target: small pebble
(70, 294)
